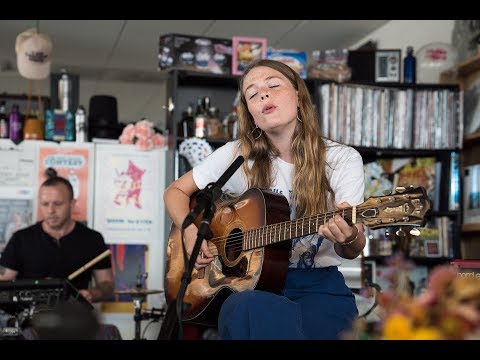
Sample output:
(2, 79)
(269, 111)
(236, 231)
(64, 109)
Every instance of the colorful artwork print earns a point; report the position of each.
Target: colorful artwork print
(128, 264)
(129, 186)
(245, 50)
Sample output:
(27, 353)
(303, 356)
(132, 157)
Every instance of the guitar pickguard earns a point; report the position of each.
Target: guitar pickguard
(220, 274)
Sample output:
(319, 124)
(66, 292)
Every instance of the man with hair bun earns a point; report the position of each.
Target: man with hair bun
(57, 245)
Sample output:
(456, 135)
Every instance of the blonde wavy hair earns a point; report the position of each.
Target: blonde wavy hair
(311, 188)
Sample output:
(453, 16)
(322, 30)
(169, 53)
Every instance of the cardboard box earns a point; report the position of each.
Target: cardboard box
(195, 53)
(297, 60)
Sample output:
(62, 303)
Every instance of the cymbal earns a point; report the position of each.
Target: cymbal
(138, 292)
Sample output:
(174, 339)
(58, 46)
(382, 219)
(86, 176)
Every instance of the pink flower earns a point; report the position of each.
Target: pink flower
(144, 124)
(441, 277)
(128, 134)
(144, 144)
(158, 140)
(144, 129)
(143, 135)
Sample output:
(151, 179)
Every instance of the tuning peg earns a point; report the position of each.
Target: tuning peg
(400, 232)
(400, 189)
(387, 192)
(415, 232)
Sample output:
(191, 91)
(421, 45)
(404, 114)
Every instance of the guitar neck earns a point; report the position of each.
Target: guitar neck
(274, 233)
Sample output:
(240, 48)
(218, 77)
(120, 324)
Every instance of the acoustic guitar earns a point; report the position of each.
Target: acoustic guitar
(252, 239)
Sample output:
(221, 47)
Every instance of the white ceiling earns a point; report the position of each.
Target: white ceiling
(119, 57)
(119, 49)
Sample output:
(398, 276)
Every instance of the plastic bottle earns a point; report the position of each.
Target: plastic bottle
(33, 127)
(15, 125)
(214, 125)
(3, 121)
(200, 120)
(409, 67)
(81, 125)
(49, 125)
(64, 91)
(185, 128)
(230, 124)
(69, 126)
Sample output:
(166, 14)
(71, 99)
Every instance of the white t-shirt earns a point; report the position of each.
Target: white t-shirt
(344, 171)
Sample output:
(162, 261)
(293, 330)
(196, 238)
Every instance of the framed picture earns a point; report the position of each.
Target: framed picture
(388, 65)
(129, 264)
(246, 50)
(432, 248)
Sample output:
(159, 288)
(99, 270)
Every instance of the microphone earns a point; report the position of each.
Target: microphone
(211, 192)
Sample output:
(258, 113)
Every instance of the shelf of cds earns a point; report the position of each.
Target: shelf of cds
(388, 117)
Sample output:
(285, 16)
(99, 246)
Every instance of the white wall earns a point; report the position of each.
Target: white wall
(398, 34)
(135, 99)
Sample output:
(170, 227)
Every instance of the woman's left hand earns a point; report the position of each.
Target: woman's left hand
(337, 230)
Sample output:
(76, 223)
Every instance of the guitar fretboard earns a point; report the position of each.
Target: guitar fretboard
(271, 234)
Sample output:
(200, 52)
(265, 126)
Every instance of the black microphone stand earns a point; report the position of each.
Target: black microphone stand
(171, 327)
(138, 299)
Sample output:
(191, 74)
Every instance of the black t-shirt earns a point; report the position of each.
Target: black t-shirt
(35, 254)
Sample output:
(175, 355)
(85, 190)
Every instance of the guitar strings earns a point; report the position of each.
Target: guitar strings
(235, 242)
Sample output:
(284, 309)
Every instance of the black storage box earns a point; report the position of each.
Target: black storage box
(375, 65)
(195, 53)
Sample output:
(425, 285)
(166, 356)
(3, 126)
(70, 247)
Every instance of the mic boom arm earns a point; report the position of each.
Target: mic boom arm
(212, 192)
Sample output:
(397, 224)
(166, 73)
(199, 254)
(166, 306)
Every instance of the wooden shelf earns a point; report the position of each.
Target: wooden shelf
(466, 263)
(471, 139)
(469, 66)
(468, 75)
(469, 228)
(418, 260)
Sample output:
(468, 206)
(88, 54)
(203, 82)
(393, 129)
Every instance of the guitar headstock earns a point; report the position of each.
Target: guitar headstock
(407, 206)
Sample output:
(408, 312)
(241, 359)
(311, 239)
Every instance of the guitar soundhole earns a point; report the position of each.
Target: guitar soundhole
(233, 246)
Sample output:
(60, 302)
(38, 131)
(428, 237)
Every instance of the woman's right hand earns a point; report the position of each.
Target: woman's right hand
(205, 256)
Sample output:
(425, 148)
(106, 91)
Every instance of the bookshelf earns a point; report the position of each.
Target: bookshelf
(411, 132)
(184, 87)
(21, 100)
(468, 78)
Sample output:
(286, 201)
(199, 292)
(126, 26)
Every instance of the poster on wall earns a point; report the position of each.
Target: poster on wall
(129, 265)
(18, 164)
(16, 204)
(72, 163)
(127, 194)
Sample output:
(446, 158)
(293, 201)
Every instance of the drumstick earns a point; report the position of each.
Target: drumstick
(89, 264)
